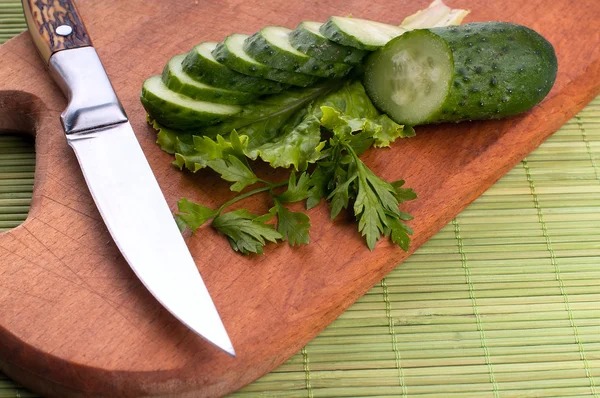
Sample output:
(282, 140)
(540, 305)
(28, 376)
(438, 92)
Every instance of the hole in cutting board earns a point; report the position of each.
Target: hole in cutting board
(17, 165)
(18, 111)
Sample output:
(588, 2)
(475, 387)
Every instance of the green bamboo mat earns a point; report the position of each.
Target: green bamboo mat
(503, 302)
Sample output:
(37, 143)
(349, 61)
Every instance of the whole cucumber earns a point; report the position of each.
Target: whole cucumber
(475, 71)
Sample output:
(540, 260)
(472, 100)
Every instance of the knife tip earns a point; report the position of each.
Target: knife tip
(229, 350)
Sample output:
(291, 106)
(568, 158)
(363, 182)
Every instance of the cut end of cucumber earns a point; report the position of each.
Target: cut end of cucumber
(205, 50)
(360, 33)
(313, 27)
(235, 43)
(280, 38)
(177, 80)
(410, 78)
(175, 69)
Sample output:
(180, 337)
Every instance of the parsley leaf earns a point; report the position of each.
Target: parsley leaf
(319, 179)
(246, 232)
(340, 196)
(403, 194)
(296, 190)
(232, 169)
(192, 214)
(398, 232)
(293, 226)
(376, 208)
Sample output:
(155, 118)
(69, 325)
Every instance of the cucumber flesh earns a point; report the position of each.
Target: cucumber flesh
(202, 66)
(359, 33)
(307, 39)
(272, 47)
(178, 111)
(475, 71)
(180, 82)
(410, 79)
(230, 52)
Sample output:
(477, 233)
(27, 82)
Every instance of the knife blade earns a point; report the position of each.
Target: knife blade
(117, 173)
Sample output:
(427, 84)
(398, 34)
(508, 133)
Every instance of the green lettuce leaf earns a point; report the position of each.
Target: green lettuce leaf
(350, 109)
(281, 129)
(284, 130)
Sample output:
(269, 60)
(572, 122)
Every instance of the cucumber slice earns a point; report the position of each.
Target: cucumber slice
(469, 72)
(178, 111)
(177, 80)
(202, 66)
(272, 47)
(359, 33)
(307, 39)
(230, 52)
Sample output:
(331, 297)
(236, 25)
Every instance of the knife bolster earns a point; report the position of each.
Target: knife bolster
(93, 103)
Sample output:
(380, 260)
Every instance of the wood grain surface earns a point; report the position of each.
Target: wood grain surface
(75, 321)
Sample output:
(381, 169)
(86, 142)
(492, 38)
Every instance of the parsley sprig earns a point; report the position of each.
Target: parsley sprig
(322, 134)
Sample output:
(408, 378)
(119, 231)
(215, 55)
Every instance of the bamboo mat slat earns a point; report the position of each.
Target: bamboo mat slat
(503, 302)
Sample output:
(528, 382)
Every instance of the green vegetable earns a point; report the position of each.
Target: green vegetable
(248, 232)
(359, 33)
(200, 64)
(320, 131)
(178, 111)
(475, 71)
(177, 80)
(344, 177)
(285, 129)
(307, 39)
(345, 113)
(230, 52)
(272, 47)
(281, 129)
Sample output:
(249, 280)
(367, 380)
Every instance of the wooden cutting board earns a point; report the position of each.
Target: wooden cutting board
(75, 321)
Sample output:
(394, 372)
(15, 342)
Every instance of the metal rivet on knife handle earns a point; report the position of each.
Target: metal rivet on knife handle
(64, 30)
(46, 19)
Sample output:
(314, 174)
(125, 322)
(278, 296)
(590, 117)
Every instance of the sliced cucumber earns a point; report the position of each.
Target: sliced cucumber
(178, 111)
(202, 66)
(469, 72)
(230, 52)
(272, 47)
(307, 39)
(359, 33)
(177, 80)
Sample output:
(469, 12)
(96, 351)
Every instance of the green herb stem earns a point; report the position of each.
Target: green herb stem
(269, 187)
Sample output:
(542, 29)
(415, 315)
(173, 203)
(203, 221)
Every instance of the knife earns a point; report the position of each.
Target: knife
(117, 172)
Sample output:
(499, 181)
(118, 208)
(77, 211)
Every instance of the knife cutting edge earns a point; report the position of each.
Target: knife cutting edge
(117, 172)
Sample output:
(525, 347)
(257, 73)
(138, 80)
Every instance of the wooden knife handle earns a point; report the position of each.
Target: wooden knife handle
(55, 25)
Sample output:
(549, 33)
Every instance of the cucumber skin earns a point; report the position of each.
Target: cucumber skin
(261, 50)
(227, 58)
(173, 116)
(218, 75)
(324, 49)
(209, 94)
(500, 70)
